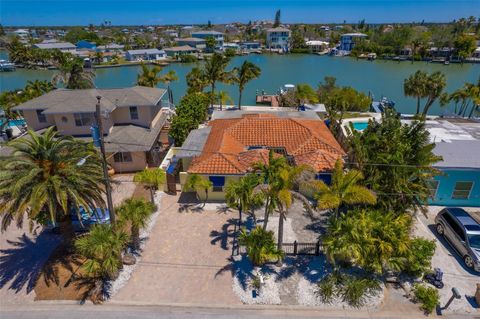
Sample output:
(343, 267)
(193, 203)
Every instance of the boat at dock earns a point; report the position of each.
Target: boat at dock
(382, 105)
(6, 66)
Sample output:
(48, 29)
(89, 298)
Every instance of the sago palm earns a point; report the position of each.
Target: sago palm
(43, 179)
(136, 213)
(345, 190)
(152, 178)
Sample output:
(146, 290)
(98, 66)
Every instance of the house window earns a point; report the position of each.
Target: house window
(218, 183)
(326, 178)
(462, 190)
(122, 157)
(83, 119)
(42, 118)
(133, 113)
(432, 188)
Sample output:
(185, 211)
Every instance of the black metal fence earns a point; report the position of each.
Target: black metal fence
(294, 249)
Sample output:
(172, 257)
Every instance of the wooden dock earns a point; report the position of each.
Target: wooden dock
(272, 100)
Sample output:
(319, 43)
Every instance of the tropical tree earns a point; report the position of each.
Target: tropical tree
(396, 160)
(424, 85)
(464, 45)
(277, 19)
(223, 98)
(464, 98)
(136, 213)
(102, 248)
(73, 75)
(345, 190)
(374, 240)
(210, 43)
(171, 76)
(304, 93)
(240, 194)
(43, 179)
(260, 245)
(214, 71)
(196, 81)
(242, 75)
(149, 76)
(152, 178)
(199, 184)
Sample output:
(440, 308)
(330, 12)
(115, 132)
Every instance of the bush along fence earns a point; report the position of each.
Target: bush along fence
(289, 249)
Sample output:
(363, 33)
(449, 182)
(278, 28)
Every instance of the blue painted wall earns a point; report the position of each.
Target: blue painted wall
(446, 186)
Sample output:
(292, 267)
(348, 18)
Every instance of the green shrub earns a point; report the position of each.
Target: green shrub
(260, 245)
(428, 297)
(188, 58)
(419, 257)
(350, 288)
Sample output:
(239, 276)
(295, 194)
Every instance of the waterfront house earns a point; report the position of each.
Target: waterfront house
(86, 45)
(278, 38)
(62, 46)
(145, 55)
(317, 45)
(349, 40)
(230, 145)
(180, 50)
(23, 34)
(205, 34)
(196, 43)
(250, 45)
(112, 47)
(170, 33)
(458, 142)
(135, 122)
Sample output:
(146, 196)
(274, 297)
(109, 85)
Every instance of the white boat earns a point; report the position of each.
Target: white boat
(6, 66)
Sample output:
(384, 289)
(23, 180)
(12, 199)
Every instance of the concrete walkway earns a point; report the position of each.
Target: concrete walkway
(185, 260)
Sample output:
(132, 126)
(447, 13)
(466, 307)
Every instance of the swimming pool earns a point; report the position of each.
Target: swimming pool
(360, 126)
(13, 123)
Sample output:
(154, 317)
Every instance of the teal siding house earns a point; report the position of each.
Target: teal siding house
(458, 142)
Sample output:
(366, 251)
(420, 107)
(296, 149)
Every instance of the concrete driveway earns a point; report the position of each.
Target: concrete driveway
(186, 258)
(455, 272)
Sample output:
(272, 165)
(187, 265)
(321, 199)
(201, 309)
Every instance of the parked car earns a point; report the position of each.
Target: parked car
(87, 219)
(463, 234)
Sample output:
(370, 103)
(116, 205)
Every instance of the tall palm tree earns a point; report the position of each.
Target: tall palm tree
(415, 85)
(149, 76)
(73, 75)
(102, 248)
(196, 80)
(42, 179)
(136, 213)
(214, 71)
(240, 194)
(152, 178)
(345, 190)
(198, 184)
(435, 85)
(242, 75)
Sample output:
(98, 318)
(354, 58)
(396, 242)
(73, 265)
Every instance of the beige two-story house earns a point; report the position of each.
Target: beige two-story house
(135, 121)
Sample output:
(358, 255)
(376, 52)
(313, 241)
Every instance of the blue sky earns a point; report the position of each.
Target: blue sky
(82, 12)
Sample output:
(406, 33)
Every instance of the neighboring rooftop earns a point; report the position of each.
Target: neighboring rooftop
(145, 51)
(55, 45)
(78, 101)
(281, 112)
(194, 143)
(457, 141)
(235, 144)
(190, 40)
(278, 29)
(182, 48)
(206, 32)
(355, 34)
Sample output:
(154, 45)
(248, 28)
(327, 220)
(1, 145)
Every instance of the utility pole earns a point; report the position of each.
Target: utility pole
(106, 178)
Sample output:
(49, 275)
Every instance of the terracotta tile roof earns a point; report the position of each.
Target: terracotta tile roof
(231, 147)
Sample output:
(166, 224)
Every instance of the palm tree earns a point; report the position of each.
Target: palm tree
(239, 194)
(198, 184)
(171, 76)
(73, 75)
(196, 81)
(345, 190)
(214, 71)
(152, 178)
(136, 213)
(149, 76)
(414, 86)
(242, 75)
(223, 98)
(42, 179)
(102, 247)
(260, 245)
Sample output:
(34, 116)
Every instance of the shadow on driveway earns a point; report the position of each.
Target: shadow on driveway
(22, 262)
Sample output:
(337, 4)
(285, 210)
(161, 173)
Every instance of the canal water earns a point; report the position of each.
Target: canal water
(380, 78)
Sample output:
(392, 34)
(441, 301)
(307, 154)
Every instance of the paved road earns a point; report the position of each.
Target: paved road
(59, 311)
